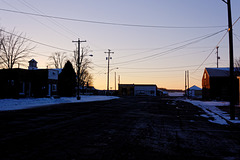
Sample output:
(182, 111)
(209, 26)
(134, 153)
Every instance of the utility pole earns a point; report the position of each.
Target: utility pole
(185, 83)
(217, 55)
(115, 81)
(188, 82)
(108, 58)
(78, 67)
(118, 79)
(232, 95)
(231, 77)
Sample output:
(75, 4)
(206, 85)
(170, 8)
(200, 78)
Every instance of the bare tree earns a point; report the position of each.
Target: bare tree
(237, 66)
(86, 79)
(14, 48)
(1, 39)
(58, 59)
(85, 76)
(74, 60)
(237, 62)
(85, 65)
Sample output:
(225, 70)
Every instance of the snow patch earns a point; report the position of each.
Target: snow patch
(209, 107)
(24, 103)
(176, 94)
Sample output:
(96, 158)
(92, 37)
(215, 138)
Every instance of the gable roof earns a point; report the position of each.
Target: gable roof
(33, 60)
(218, 72)
(195, 88)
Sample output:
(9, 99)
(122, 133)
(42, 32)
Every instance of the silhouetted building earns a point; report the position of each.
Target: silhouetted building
(215, 84)
(15, 83)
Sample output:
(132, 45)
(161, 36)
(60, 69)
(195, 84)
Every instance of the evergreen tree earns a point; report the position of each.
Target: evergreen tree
(67, 81)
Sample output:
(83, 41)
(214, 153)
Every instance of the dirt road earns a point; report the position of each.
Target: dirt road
(126, 128)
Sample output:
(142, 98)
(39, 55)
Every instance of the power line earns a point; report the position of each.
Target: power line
(236, 21)
(149, 50)
(99, 66)
(170, 50)
(47, 26)
(162, 67)
(217, 44)
(153, 70)
(39, 54)
(211, 52)
(149, 72)
(59, 24)
(168, 77)
(111, 23)
(173, 55)
(196, 79)
(43, 44)
(52, 20)
(236, 36)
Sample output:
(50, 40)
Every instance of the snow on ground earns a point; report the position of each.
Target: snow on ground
(209, 107)
(175, 94)
(24, 103)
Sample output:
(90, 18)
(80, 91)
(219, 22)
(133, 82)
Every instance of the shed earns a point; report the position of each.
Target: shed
(195, 92)
(145, 90)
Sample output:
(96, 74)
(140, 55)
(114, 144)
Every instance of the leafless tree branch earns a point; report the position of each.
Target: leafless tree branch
(85, 65)
(58, 59)
(14, 49)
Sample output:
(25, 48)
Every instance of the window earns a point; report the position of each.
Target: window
(205, 76)
(54, 87)
(22, 88)
(11, 82)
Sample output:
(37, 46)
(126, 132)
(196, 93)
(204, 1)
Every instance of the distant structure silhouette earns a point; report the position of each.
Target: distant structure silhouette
(32, 65)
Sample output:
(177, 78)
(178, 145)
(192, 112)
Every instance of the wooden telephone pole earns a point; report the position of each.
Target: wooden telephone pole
(217, 55)
(231, 77)
(108, 58)
(78, 68)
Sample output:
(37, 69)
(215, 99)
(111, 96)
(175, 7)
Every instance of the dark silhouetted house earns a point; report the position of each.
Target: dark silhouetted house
(33, 82)
(126, 89)
(137, 89)
(215, 84)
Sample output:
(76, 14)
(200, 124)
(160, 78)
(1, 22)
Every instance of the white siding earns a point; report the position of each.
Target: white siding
(53, 74)
(149, 90)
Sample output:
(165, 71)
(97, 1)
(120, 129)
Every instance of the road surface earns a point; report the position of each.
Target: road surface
(121, 129)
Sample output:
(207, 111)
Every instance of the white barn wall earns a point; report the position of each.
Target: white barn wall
(150, 90)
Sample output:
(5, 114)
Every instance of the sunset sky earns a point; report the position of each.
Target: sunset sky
(154, 41)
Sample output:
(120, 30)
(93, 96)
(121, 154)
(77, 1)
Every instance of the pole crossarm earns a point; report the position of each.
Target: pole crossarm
(225, 1)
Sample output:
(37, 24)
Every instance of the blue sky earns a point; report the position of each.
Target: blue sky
(143, 55)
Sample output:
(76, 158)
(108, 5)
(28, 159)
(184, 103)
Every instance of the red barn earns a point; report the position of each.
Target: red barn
(215, 84)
